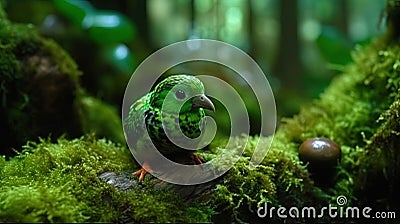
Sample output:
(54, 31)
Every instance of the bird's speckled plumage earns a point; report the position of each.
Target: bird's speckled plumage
(150, 111)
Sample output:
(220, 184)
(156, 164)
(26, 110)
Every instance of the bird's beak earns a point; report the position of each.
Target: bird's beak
(202, 101)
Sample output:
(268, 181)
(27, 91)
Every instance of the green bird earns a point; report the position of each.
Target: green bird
(175, 106)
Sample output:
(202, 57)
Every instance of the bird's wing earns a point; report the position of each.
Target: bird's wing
(134, 124)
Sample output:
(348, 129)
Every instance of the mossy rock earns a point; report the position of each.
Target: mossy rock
(38, 87)
(40, 92)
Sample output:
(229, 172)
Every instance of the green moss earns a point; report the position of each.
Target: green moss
(279, 180)
(44, 204)
(380, 174)
(65, 63)
(360, 111)
(352, 112)
(59, 183)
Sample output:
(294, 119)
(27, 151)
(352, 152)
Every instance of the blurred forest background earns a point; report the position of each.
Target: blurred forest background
(299, 44)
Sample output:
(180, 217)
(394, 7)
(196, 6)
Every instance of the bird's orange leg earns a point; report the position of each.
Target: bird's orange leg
(197, 159)
(143, 171)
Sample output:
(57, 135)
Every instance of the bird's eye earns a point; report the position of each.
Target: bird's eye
(180, 94)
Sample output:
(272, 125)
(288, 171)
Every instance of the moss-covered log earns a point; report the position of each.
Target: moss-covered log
(58, 182)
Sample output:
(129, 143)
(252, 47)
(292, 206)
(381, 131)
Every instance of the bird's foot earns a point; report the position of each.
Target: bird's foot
(197, 159)
(143, 171)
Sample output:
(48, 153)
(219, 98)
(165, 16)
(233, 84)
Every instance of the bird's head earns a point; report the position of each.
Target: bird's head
(180, 91)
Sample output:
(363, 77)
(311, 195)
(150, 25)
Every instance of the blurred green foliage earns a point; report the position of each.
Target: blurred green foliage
(334, 46)
(110, 31)
(104, 27)
(101, 119)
